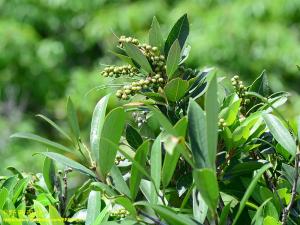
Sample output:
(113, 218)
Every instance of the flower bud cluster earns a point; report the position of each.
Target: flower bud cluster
(120, 213)
(119, 158)
(238, 86)
(124, 39)
(140, 117)
(222, 123)
(135, 87)
(117, 71)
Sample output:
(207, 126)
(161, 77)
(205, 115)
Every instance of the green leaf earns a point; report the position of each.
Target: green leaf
(212, 112)
(224, 214)
(200, 208)
(127, 204)
(133, 137)
(271, 221)
(124, 58)
(155, 170)
(100, 218)
(69, 162)
(19, 189)
(230, 113)
(97, 125)
(119, 182)
(198, 135)
(250, 190)
(261, 85)
(54, 125)
(136, 176)
(134, 52)
(41, 140)
(112, 130)
(42, 215)
(155, 36)
(54, 216)
(173, 59)
(49, 173)
(72, 119)
(93, 207)
(3, 196)
(298, 127)
(280, 133)
(176, 89)
(206, 182)
(170, 160)
(179, 31)
(171, 217)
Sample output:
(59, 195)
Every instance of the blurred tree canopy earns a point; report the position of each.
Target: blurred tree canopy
(50, 49)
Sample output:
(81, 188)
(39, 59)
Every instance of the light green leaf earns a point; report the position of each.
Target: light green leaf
(155, 36)
(127, 204)
(135, 53)
(119, 182)
(100, 218)
(280, 133)
(271, 221)
(176, 89)
(3, 196)
(136, 176)
(53, 124)
(55, 217)
(112, 130)
(250, 190)
(49, 173)
(172, 217)
(173, 59)
(155, 170)
(69, 162)
(170, 160)
(206, 182)
(230, 113)
(42, 215)
(212, 112)
(41, 140)
(72, 119)
(93, 207)
(97, 125)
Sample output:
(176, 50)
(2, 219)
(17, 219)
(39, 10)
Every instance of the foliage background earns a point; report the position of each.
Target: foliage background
(51, 49)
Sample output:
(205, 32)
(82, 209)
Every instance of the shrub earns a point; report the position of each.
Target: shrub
(184, 147)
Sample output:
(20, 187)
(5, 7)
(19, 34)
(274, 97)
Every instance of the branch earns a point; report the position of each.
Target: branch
(287, 209)
(155, 220)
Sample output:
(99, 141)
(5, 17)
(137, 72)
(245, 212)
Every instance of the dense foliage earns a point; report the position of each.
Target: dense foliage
(185, 146)
(52, 48)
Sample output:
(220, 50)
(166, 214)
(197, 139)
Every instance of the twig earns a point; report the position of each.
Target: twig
(155, 220)
(287, 209)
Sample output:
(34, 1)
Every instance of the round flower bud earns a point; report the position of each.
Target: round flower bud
(161, 80)
(236, 77)
(127, 91)
(154, 49)
(124, 96)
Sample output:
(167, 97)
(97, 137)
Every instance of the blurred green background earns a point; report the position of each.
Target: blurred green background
(51, 49)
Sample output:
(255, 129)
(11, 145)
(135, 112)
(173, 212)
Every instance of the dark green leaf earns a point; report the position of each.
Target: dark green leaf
(173, 59)
(135, 53)
(133, 137)
(112, 130)
(119, 182)
(176, 89)
(206, 182)
(261, 85)
(179, 31)
(49, 173)
(136, 176)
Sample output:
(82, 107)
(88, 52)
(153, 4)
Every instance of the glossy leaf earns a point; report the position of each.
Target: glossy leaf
(155, 170)
(176, 89)
(54, 216)
(250, 190)
(112, 131)
(261, 85)
(3, 196)
(179, 31)
(42, 215)
(212, 112)
(173, 59)
(93, 207)
(134, 52)
(206, 182)
(230, 113)
(69, 162)
(119, 182)
(136, 176)
(97, 125)
(133, 137)
(41, 140)
(155, 35)
(101, 217)
(49, 173)
(127, 204)
(280, 133)
(72, 119)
